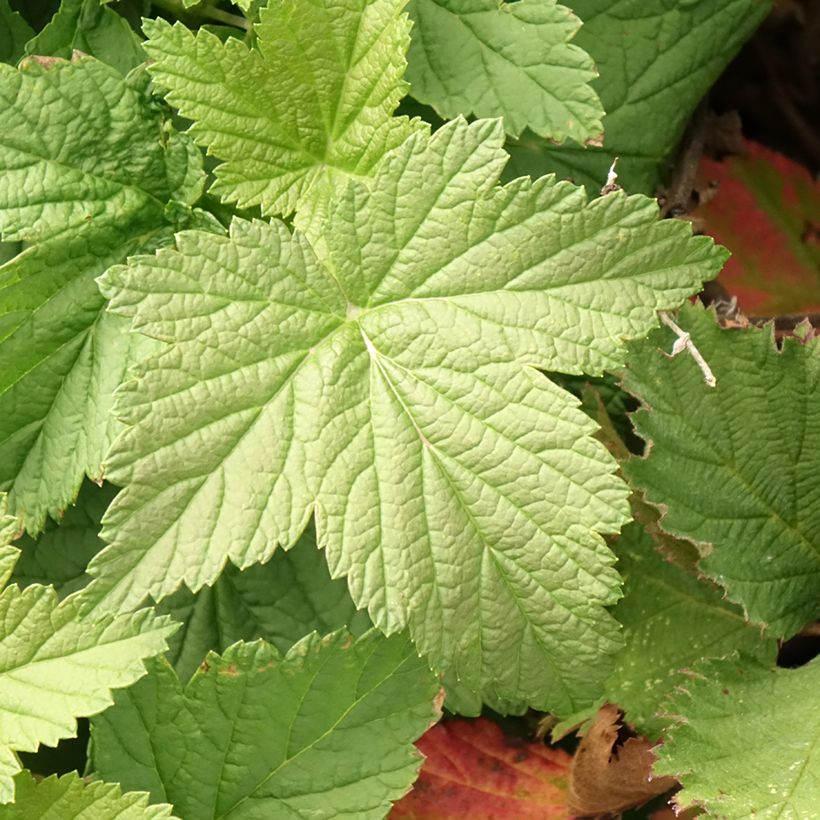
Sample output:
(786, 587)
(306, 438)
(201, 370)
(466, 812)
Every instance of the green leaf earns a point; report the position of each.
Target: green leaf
(281, 601)
(90, 27)
(312, 104)
(514, 60)
(656, 60)
(14, 32)
(325, 731)
(84, 190)
(55, 667)
(69, 798)
(735, 467)
(394, 390)
(60, 554)
(671, 621)
(8, 554)
(749, 744)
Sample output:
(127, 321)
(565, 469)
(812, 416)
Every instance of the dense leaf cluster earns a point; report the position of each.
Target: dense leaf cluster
(296, 328)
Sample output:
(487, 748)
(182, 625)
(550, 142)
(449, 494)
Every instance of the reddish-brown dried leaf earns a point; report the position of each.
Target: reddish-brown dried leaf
(612, 768)
(473, 770)
(766, 211)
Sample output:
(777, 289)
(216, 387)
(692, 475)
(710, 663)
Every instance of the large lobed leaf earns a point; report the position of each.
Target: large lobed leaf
(392, 388)
(735, 466)
(312, 102)
(86, 171)
(325, 731)
(55, 667)
(69, 798)
(749, 741)
(514, 60)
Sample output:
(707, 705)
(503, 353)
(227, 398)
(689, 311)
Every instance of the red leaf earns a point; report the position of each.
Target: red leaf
(767, 213)
(473, 770)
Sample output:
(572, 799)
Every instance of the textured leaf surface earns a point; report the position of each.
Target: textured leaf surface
(54, 667)
(69, 798)
(736, 466)
(83, 190)
(60, 554)
(14, 32)
(513, 60)
(472, 770)
(281, 601)
(671, 621)
(313, 101)
(398, 396)
(766, 211)
(749, 744)
(90, 27)
(325, 731)
(655, 59)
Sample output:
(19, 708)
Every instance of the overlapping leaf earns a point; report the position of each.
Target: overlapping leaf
(393, 390)
(325, 731)
(69, 798)
(54, 667)
(14, 32)
(735, 466)
(281, 601)
(656, 60)
(92, 28)
(671, 621)
(313, 102)
(749, 743)
(87, 172)
(504, 59)
(60, 554)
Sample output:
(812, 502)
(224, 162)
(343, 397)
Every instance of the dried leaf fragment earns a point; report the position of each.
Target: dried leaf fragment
(612, 768)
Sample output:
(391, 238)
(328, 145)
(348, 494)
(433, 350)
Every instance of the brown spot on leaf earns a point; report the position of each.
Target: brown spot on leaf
(38, 59)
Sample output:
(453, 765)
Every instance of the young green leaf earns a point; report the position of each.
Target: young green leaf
(749, 742)
(281, 601)
(55, 667)
(87, 169)
(504, 59)
(394, 389)
(14, 32)
(325, 731)
(90, 27)
(735, 466)
(656, 60)
(69, 798)
(313, 103)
